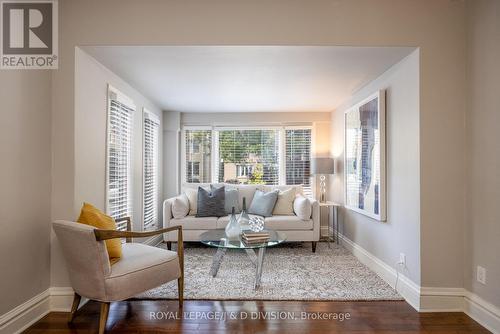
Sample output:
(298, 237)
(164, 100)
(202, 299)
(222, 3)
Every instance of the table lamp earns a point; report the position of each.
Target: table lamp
(322, 167)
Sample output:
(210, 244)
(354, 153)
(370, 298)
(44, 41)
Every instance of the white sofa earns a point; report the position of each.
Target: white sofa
(295, 228)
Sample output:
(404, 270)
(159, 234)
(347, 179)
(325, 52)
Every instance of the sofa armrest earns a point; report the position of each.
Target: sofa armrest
(167, 215)
(315, 215)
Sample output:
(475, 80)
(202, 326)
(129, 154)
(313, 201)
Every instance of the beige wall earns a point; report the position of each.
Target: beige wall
(482, 225)
(436, 26)
(24, 185)
(401, 232)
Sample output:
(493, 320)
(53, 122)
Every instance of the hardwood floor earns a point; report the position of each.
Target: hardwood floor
(365, 317)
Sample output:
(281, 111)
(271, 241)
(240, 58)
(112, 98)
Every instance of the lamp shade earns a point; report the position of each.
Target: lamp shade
(322, 166)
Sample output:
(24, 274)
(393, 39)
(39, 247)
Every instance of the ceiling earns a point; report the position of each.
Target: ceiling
(248, 78)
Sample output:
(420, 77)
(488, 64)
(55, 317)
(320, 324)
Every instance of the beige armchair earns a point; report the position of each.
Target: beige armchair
(141, 267)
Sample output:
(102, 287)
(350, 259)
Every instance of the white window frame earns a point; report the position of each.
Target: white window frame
(152, 116)
(215, 149)
(115, 94)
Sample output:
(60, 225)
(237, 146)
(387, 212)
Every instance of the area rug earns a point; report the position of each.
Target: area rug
(290, 272)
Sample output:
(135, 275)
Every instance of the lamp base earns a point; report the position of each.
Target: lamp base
(322, 189)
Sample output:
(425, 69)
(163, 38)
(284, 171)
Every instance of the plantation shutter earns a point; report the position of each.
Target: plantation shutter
(151, 133)
(119, 155)
(248, 156)
(298, 158)
(198, 150)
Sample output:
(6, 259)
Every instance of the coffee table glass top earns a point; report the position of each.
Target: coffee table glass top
(217, 238)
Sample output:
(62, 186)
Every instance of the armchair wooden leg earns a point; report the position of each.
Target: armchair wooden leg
(314, 246)
(180, 286)
(169, 245)
(74, 307)
(103, 318)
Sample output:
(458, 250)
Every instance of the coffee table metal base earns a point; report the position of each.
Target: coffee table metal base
(256, 259)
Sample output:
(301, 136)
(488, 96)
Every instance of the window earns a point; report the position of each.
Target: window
(119, 155)
(151, 132)
(243, 170)
(198, 148)
(193, 170)
(298, 158)
(248, 156)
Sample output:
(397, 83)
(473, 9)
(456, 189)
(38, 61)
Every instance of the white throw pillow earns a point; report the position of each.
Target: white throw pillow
(284, 204)
(192, 195)
(302, 207)
(180, 206)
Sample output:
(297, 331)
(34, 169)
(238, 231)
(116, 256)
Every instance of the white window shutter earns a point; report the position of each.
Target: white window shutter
(119, 155)
(298, 158)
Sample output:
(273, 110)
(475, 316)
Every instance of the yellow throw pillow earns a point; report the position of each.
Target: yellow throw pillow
(90, 215)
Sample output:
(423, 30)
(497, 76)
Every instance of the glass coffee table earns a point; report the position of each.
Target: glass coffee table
(217, 238)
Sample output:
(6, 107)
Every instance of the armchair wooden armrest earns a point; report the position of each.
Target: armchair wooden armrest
(112, 234)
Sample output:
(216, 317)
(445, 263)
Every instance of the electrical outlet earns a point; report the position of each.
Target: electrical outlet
(402, 259)
(481, 275)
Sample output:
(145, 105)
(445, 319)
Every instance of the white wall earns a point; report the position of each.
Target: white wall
(24, 185)
(171, 149)
(91, 87)
(436, 26)
(401, 232)
(482, 225)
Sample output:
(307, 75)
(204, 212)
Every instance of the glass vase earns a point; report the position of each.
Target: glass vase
(244, 219)
(233, 229)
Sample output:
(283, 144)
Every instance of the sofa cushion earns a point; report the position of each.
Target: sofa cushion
(302, 207)
(141, 268)
(195, 223)
(232, 201)
(283, 223)
(223, 221)
(284, 204)
(263, 203)
(211, 203)
(180, 206)
(298, 188)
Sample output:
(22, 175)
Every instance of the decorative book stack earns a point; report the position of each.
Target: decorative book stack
(251, 237)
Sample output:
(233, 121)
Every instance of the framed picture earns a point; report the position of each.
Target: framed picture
(364, 157)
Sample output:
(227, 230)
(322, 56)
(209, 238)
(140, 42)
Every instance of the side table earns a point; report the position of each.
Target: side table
(333, 227)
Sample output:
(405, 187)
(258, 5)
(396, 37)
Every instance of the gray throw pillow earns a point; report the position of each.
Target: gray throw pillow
(263, 203)
(231, 199)
(211, 203)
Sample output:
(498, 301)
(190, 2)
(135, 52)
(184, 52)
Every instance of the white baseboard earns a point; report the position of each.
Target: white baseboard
(26, 314)
(441, 299)
(430, 299)
(29, 312)
(487, 314)
(61, 299)
(408, 289)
